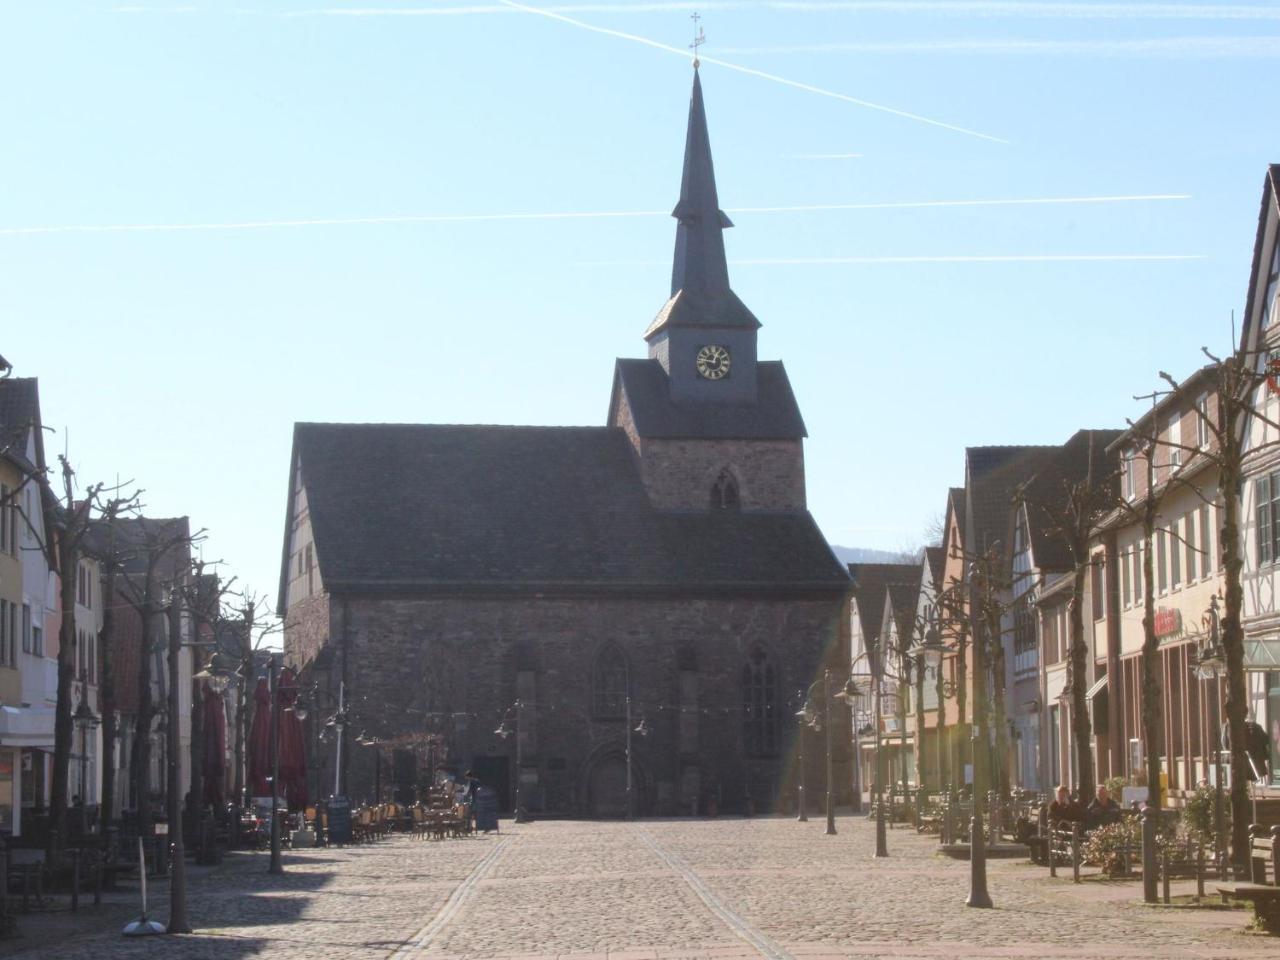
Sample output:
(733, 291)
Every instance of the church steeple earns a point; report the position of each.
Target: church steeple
(704, 336)
(700, 266)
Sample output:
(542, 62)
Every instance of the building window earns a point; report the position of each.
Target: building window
(1267, 495)
(760, 710)
(1024, 632)
(6, 518)
(1162, 573)
(1175, 557)
(6, 651)
(37, 641)
(1189, 534)
(311, 577)
(1125, 593)
(26, 628)
(1130, 482)
(1202, 421)
(1098, 584)
(1175, 437)
(1206, 542)
(1273, 280)
(1139, 575)
(609, 683)
(724, 492)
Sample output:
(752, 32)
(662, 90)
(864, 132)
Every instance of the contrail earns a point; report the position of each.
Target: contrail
(809, 88)
(980, 258)
(974, 9)
(1169, 47)
(1059, 11)
(943, 258)
(581, 215)
(825, 156)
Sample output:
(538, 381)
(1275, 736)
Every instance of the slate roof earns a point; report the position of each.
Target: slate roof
(902, 607)
(774, 415)
(1270, 190)
(422, 508)
(936, 557)
(870, 589)
(19, 413)
(1069, 467)
(993, 475)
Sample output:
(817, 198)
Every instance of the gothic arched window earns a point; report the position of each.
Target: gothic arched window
(724, 492)
(609, 683)
(761, 711)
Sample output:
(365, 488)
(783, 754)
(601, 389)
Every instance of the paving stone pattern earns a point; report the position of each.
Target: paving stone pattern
(762, 889)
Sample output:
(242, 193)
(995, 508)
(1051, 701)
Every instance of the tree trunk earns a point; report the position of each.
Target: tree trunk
(107, 688)
(1001, 773)
(1233, 648)
(68, 568)
(196, 752)
(940, 730)
(140, 772)
(920, 780)
(1081, 728)
(962, 680)
(1152, 718)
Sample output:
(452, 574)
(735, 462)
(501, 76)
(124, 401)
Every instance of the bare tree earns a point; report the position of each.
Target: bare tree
(1072, 506)
(1233, 381)
(155, 548)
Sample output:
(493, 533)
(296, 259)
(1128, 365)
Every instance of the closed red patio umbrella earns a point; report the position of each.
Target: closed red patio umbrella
(260, 742)
(215, 748)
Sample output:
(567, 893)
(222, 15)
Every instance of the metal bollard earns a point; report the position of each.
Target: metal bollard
(1199, 870)
(75, 880)
(1149, 861)
(1075, 853)
(1164, 875)
(1049, 844)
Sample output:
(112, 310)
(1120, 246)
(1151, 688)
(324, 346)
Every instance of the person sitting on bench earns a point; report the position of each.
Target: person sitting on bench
(1064, 809)
(1102, 810)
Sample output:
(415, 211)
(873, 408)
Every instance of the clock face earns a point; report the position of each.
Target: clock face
(713, 361)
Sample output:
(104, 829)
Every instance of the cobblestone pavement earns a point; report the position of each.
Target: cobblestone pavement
(763, 889)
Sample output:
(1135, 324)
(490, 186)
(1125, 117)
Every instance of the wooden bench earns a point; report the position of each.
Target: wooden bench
(1262, 894)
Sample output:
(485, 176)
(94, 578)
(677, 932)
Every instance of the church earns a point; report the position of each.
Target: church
(596, 620)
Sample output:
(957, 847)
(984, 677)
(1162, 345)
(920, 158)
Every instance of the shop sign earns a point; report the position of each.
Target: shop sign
(1168, 621)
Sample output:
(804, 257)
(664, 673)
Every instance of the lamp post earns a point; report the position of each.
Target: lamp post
(178, 922)
(338, 723)
(978, 895)
(930, 652)
(805, 716)
(504, 731)
(85, 720)
(1211, 664)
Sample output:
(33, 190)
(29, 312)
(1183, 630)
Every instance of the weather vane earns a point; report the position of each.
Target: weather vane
(699, 38)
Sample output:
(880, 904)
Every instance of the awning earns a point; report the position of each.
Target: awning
(1262, 653)
(26, 726)
(1097, 688)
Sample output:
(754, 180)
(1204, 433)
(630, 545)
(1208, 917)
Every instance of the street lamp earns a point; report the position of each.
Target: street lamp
(1210, 664)
(504, 731)
(337, 724)
(643, 730)
(978, 895)
(805, 716)
(85, 720)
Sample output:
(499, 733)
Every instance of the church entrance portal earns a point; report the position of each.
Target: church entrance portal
(495, 773)
(606, 787)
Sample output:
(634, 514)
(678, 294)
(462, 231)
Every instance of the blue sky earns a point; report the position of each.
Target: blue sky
(182, 357)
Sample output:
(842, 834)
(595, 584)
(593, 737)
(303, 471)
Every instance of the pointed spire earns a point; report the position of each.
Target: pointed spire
(700, 268)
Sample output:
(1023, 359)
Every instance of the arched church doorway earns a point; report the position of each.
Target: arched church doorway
(606, 786)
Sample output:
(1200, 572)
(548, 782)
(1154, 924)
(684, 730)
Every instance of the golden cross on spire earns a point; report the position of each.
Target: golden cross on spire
(699, 38)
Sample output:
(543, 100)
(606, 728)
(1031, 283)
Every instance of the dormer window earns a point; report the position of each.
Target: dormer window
(724, 492)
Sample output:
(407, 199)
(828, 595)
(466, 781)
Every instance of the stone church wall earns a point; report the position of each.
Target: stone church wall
(459, 665)
(678, 474)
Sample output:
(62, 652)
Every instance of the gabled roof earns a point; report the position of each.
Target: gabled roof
(774, 415)
(136, 536)
(437, 508)
(936, 559)
(1204, 377)
(20, 415)
(1086, 451)
(1266, 214)
(993, 475)
(902, 599)
(870, 589)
